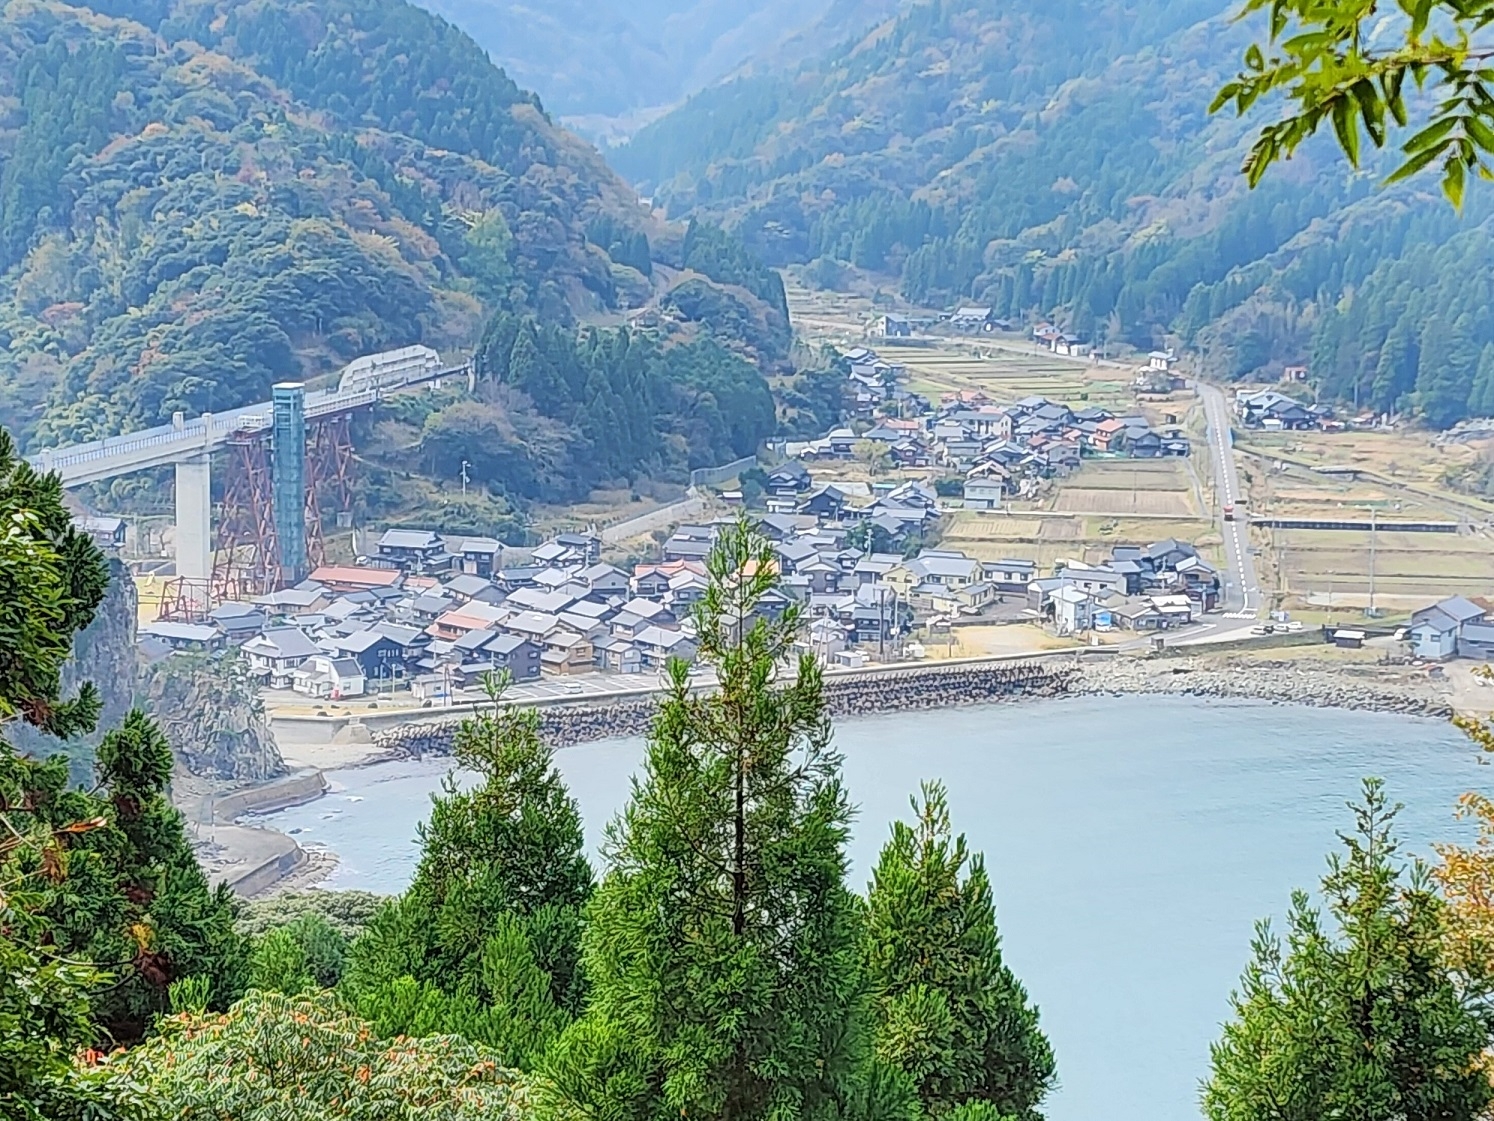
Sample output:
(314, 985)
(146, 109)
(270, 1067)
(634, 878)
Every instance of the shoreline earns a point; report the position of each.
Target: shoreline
(1358, 686)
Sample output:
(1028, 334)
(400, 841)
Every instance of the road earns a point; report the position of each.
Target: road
(1242, 592)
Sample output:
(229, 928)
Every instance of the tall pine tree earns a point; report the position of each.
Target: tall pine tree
(949, 1013)
(1362, 1018)
(486, 940)
(722, 944)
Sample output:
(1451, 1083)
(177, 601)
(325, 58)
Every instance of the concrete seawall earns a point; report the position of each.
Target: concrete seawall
(257, 858)
(933, 686)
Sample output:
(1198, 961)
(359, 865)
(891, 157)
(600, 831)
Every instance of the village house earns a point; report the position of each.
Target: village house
(342, 579)
(477, 556)
(239, 622)
(1455, 627)
(378, 656)
(274, 655)
(329, 678)
(414, 550)
(565, 652)
(197, 638)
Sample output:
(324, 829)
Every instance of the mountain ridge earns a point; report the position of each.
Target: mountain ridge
(194, 206)
(975, 151)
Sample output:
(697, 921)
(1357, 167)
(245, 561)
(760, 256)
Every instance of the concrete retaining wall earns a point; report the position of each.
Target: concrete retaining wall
(269, 873)
(937, 686)
(297, 790)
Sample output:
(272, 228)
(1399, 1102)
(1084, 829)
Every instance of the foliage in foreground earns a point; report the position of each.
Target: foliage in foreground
(1345, 63)
(722, 944)
(949, 1012)
(1363, 1017)
(485, 942)
(277, 1058)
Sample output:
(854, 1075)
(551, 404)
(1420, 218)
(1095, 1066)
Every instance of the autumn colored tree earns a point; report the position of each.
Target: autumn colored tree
(1466, 874)
(273, 1057)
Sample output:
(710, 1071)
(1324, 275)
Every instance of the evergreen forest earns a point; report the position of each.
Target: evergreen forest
(969, 151)
(199, 200)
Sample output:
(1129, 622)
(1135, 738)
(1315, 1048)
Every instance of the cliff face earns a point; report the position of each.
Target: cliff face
(209, 709)
(211, 712)
(104, 653)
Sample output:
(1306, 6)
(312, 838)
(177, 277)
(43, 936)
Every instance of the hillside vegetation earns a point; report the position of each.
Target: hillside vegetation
(992, 152)
(198, 198)
(598, 62)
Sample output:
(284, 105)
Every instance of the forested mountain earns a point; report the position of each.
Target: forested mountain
(1057, 159)
(200, 197)
(594, 61)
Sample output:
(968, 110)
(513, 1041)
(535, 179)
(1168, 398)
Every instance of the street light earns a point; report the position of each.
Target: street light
(465, 465)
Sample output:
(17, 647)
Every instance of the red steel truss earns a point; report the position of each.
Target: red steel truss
(246, 561)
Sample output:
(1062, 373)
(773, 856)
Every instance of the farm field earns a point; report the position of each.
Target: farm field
(1004, 367)
(1392, 476)
(1402, 473)
(1048, 538)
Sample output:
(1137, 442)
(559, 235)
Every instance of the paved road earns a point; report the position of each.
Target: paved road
(1242, 592)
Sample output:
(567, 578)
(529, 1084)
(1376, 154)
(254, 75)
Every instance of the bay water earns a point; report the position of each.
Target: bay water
(1132, 843)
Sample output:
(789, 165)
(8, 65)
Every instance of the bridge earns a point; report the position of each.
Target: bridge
(275, 495)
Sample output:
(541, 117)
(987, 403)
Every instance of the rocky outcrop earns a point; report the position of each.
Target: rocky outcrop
(103, 653)
(210, 710)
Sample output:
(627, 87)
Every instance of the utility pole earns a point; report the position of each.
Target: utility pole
(1374, 526)
(465, 465)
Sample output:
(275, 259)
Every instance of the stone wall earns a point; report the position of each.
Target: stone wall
(1286, 682)
(890, 691)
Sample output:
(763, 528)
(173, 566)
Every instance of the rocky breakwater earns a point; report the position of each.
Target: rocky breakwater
(1355, 686)
(892, 690)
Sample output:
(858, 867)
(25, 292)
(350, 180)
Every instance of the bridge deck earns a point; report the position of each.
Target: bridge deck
(104, 459)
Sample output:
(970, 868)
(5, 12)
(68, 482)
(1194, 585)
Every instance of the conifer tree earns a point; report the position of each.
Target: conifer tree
(52, 578)
(949, 1012)
(1361, 1018)
(487, 939)
(722, 945)
(135, 898)
(1481, 395)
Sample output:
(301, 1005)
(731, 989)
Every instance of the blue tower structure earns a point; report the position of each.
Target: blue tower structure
(288, 478)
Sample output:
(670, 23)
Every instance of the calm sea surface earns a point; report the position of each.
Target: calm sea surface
(1132, 843)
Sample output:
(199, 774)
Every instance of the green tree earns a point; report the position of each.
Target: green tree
(1345, 63)
(1361, 1018)
(1449, 359)
(722, 945)
(278, 964)
(489, 931)
(1481, 393)
(949, 1012)
(51, 580)
(304, 1058)
(488, 261)
(136, 898)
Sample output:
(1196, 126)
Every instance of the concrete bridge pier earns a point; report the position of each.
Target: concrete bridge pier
(194, 524)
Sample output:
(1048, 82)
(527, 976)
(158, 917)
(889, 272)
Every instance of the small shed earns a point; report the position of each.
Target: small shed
(1348, 640)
